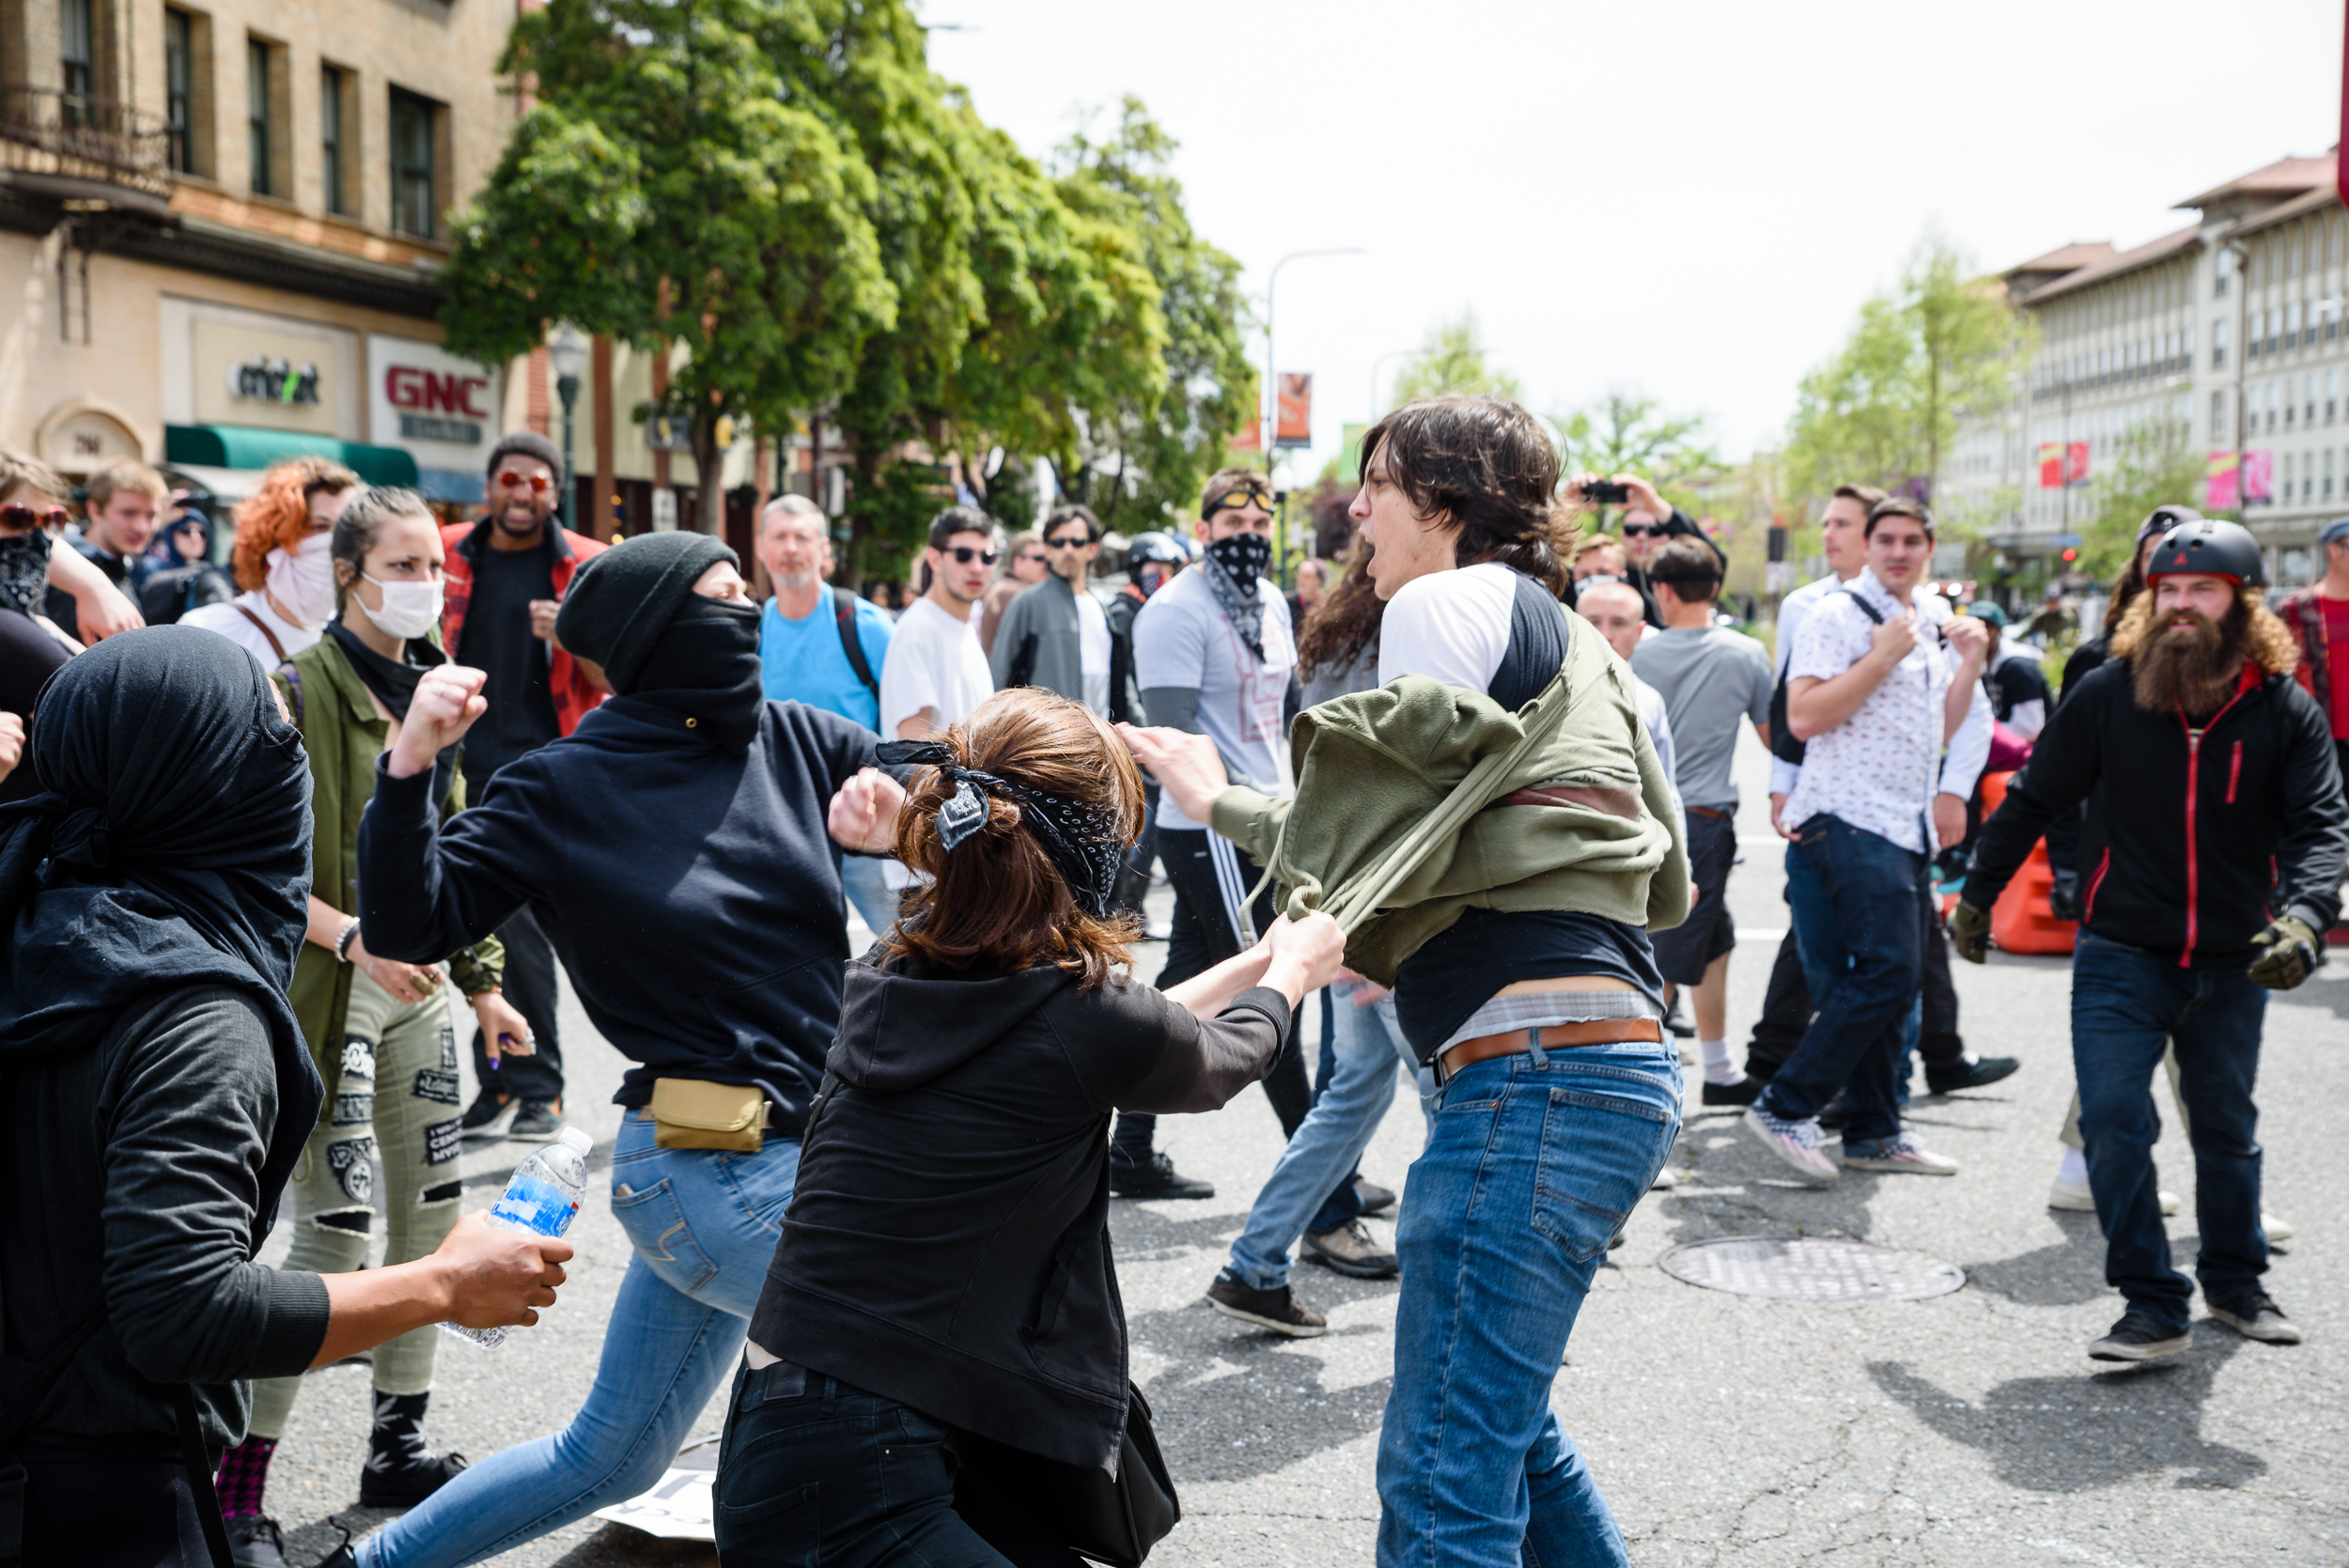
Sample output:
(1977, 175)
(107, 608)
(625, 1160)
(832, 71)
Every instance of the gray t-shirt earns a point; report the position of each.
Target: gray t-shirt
(1711, 678)
(1183, 638)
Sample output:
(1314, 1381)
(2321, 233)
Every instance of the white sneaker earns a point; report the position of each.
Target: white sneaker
(1665, 1180)
(1901, 1152)
(1795, 1142)
(2074, 1197)
(2277, 1227)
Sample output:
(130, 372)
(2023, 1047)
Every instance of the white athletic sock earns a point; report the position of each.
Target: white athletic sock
(2073, 1171)
(1717, 1067)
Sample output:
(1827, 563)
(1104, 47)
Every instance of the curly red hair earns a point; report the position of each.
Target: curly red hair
(277, 516)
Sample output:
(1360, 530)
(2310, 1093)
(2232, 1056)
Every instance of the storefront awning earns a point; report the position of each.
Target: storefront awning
(243, 448)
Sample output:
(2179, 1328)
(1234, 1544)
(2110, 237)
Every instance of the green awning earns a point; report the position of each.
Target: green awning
(242, 447)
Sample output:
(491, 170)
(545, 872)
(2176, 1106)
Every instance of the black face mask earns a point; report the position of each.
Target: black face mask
(706, 666)
(1244, 558)
(23, 571)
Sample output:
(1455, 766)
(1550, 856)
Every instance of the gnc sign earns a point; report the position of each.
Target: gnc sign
(445, 410)
(417, 390)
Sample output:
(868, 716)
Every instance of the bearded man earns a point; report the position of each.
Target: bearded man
(2213, 799)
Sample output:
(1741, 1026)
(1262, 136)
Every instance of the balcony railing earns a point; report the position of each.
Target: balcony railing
(75, 139)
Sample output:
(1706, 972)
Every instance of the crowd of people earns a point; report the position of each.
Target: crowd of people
(1474, 784)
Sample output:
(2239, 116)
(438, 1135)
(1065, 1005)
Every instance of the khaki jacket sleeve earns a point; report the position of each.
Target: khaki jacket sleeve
(1668, 891)
(1250, 820)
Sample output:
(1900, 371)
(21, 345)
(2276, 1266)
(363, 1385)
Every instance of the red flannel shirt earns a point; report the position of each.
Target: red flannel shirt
(464, 542)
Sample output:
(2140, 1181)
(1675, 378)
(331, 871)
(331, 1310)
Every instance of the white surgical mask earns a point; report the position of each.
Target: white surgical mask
(410, 609)
(303, 581)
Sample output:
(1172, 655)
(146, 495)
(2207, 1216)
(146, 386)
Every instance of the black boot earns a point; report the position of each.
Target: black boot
(401, 1472)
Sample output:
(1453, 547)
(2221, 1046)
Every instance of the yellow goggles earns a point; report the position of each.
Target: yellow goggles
(1233, 501)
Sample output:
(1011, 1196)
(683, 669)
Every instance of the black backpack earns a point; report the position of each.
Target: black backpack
(1784, 745)
(844, 618)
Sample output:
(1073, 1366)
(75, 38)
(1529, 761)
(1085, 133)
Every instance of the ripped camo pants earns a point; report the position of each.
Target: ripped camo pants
(397, 1101)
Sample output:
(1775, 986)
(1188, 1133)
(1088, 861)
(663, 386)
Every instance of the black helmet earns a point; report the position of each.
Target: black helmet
(2163, 519)
(2210, 545)
(1153, 546)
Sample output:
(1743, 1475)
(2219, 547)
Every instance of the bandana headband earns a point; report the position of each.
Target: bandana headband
(1083, 842)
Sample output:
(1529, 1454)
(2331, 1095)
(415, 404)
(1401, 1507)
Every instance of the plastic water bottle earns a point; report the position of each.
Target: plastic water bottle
(542, 1198)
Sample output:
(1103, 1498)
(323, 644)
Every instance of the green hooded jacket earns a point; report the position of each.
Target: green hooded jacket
(343, 735)
(1579, 819)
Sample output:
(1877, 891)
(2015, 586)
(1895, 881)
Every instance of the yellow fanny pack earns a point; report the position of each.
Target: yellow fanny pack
(688, 1113)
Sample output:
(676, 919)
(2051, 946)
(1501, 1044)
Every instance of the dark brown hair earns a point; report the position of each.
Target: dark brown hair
(997, 898)
(1074, 512)
(1489, 467)
(1346, 621)
(1899, 507)
(1224, 480)
(1691, 566)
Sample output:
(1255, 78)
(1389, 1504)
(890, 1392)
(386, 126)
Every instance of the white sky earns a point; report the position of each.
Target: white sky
(1685, 198)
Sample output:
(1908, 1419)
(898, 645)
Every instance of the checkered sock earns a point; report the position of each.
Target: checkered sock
(1717, 1067)
(243, 1473)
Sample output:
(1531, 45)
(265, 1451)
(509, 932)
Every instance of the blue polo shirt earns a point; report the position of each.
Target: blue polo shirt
(802, 660)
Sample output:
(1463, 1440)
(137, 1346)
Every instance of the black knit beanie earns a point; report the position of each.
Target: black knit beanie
(621, 601)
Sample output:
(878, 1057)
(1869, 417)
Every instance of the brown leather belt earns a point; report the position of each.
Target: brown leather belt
(1556, 1036)
(1715, 813)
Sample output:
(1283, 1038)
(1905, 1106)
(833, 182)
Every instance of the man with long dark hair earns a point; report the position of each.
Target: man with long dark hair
(2218, 835)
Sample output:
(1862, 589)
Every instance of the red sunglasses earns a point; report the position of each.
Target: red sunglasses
(539, 484)
(23, 519)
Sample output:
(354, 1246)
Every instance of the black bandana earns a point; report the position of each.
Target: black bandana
(1084, 842)
(24, 572)
(393, 683)
(1233, 567)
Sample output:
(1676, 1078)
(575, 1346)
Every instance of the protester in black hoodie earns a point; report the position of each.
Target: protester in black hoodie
(945, 1266)
(156, 1094)
(674, 848)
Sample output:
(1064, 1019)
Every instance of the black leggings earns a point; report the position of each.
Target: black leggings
(1203, 937)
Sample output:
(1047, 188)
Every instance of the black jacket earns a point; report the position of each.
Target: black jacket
(947, 1245)
(2193, 841)
(691, 892)
(1125, 691)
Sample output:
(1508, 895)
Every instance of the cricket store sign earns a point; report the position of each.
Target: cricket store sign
(262, 379)
(445, 410)
(272, 372)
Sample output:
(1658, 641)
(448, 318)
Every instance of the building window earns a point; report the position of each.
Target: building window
(2218, 345)
(77, 47)
(415, 171)
(2308, 413)
(178, 84)
(2218, 416)
(2220, 273)
(330, 136)
(260, 117)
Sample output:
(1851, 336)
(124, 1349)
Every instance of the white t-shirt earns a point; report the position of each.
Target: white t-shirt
(1449, 625)
(1093, 651)
(1182, 638)
(933, 662)
(224, 619)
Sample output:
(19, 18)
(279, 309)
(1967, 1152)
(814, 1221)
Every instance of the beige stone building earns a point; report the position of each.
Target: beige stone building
(220, 228)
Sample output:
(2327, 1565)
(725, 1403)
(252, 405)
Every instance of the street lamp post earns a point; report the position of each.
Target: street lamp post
(1375, 365)
(566, 351)
(1271, 382)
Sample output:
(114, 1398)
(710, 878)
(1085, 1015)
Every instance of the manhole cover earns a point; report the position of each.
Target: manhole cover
(1810, 1269)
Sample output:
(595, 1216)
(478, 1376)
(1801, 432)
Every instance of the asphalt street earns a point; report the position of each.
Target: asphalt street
(1967, 1430)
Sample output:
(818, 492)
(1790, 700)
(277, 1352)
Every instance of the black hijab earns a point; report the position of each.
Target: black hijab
(704, 665)
(173, 849)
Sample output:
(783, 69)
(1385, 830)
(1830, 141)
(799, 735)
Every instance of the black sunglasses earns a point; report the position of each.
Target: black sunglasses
(1068, 541)
(1641, 530)
(963, 554)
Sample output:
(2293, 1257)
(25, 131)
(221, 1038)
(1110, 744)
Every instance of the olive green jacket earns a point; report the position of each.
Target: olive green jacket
(1582, 819)
(344, 736)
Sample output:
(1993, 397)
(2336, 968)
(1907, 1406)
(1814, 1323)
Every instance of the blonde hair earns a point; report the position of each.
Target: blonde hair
(125, 475)
(22, 468)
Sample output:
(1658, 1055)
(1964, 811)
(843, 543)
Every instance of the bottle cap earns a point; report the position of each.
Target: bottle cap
(576, 1141)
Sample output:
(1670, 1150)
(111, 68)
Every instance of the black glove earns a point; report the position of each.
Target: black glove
(2288, 955)
(2063, 896)
(1970, 932)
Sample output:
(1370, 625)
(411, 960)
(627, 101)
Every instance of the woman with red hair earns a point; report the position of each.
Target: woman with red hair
(282, 561)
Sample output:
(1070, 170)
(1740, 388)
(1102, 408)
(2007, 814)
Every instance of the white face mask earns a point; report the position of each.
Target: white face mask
(410, 609)
(303, 581)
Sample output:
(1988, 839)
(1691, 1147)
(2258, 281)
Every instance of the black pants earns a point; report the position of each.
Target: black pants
(112, 1514)
(1203, 937)
(814, 1470)
(1786, 1011)
(530, 986)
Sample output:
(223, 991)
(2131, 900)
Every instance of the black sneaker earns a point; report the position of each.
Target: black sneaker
(2139, 1338)
(2257, 1317)
(1374, 1198)
(537, 1121)
(1743, 1092)
(1972, 1072)
(1154, 1177)
(1276, 1309)
(489, 1116)
(1836, 1111)
(255, 1541)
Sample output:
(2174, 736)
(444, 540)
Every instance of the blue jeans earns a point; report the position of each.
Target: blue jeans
(1534, 1163)
(1846, 883)
(2127, 1005)
(1819, 943)
(1369, 1048)
(861, 878)
(704, 1224)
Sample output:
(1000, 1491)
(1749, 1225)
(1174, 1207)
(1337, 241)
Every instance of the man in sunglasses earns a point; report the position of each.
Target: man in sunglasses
(31, 501)
(935, 673)
(1025, 568)
(1648, 521)
(1055, 634)
(507, 574)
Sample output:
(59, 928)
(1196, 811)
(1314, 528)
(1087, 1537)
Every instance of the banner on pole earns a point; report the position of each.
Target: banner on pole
(2220, 477)
(1296, 426)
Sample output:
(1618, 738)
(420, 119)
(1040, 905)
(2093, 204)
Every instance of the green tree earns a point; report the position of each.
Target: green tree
(1625, 433)
(2152, 465)
(1886, 406)
(669, 186)
(1453, 358)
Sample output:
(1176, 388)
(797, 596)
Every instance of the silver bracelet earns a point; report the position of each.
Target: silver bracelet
(343, 939)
